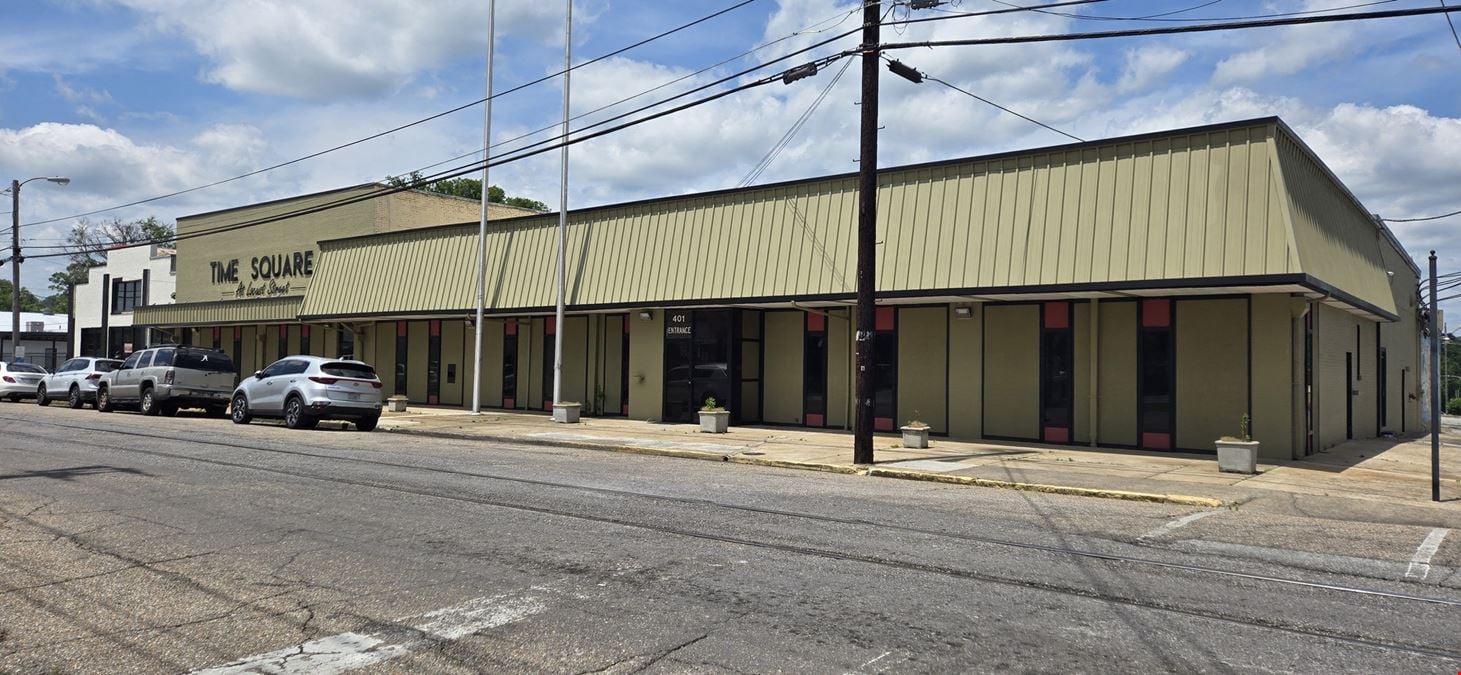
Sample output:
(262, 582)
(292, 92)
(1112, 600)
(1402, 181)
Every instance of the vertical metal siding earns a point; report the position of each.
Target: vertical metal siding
(1217, 203)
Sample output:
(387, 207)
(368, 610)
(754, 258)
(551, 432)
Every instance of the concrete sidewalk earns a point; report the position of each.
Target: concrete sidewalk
(1385, 472)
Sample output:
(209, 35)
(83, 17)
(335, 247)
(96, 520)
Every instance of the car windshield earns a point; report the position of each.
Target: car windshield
(26, 368)
(355, 370)
(105, 366)
(216, 362)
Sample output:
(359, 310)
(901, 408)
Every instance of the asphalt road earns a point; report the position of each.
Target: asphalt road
(147, 545)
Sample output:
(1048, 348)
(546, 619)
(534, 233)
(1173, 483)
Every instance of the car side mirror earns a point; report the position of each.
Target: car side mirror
(259, 374)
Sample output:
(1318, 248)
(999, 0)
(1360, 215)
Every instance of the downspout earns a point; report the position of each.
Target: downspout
(1095, 368)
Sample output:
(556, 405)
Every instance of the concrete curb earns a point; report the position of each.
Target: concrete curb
(1183, 500)
(875, 472)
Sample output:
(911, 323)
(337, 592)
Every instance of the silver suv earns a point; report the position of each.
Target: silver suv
(306, 389)
(75, 381)
(164, 379)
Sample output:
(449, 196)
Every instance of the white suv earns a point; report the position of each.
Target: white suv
(306, 389)
(75, 381)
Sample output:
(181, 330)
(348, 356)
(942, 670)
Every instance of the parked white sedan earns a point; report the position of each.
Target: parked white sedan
(19, 380)
(75, 381)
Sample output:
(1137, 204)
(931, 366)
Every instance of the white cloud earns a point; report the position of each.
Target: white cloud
(331, 49)
(1145, 66)
(79, 94)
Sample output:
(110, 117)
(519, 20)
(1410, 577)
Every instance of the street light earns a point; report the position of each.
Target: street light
(16, 258)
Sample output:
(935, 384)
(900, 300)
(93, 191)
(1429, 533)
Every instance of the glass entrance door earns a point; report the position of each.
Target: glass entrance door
(700, 362)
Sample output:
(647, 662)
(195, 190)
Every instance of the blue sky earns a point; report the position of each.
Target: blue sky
(133, 98)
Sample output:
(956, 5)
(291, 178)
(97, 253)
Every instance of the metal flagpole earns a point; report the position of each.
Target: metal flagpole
(1435, 368)
(562, 213)
(482, 227)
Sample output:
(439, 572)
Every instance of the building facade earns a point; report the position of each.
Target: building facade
(1142, 292)
(43, 339)
(104, 306)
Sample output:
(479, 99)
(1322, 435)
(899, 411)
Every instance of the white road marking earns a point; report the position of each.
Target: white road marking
(349, 651)
(1184, 521)
(1420, 563)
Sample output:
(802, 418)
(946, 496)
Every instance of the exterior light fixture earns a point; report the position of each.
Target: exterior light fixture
(646, 314)
(963, 312)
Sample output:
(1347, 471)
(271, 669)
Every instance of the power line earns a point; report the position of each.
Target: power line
(1167, 16)
(804, 31)
(408, 125)
(1452, 24)
(1417, 220)
(430, 179)
(977, 97)
(1204, 28)
(796, 127)
(463, 170)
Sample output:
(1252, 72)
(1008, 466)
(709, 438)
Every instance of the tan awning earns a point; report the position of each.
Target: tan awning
(219, 313)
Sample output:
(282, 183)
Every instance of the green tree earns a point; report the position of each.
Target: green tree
(87, 243)
(468, 188)
(28, 300)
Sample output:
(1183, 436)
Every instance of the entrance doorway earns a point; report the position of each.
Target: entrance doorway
(700, 362)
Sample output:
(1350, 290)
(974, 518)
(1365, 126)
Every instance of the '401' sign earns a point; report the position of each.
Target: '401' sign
(677, 324)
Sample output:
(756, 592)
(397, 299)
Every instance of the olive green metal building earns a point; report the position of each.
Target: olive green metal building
(1142, 292)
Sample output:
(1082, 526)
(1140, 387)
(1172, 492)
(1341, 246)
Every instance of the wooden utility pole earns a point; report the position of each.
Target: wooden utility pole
(867, 214)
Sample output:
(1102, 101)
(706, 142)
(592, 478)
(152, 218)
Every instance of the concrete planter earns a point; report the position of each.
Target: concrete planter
(565, 413)
(714, 422)
(396, 404)
(915, 437)
(1238, 456)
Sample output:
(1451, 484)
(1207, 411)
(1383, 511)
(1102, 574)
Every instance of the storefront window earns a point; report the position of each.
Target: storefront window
(1156, 374)
(814, 371)
(1057, 372)
(509, 364)
(885, 370)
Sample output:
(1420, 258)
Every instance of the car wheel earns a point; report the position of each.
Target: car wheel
(41, 399)
(367, 423)
(149, 406)
(104, 400)
(294, 415)
(240, 413)
(73, 398)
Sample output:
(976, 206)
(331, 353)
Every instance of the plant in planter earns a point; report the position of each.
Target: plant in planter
(566, 412)
(1238, 454)
(713, 418)
(915, 433)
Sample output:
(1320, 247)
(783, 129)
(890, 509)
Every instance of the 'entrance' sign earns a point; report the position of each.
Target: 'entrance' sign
(677, 324)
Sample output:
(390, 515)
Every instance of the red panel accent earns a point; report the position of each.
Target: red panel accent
(626, 327)
(432, 399)
(1156, 313)
(816, 323)
(509, 402)
(304, 331)
(548, 405)
(1057, 315)
(1057, 435)
(882, 424)
(511, 327)
(884, 318)
(283, 332)
(624, 409)
(238, 332)
(815, 420)
(552, 325)
(436, 328)
(400, 329)
(1152, 441)
(216, 332)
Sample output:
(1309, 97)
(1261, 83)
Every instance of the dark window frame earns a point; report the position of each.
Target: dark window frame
(126, 296)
